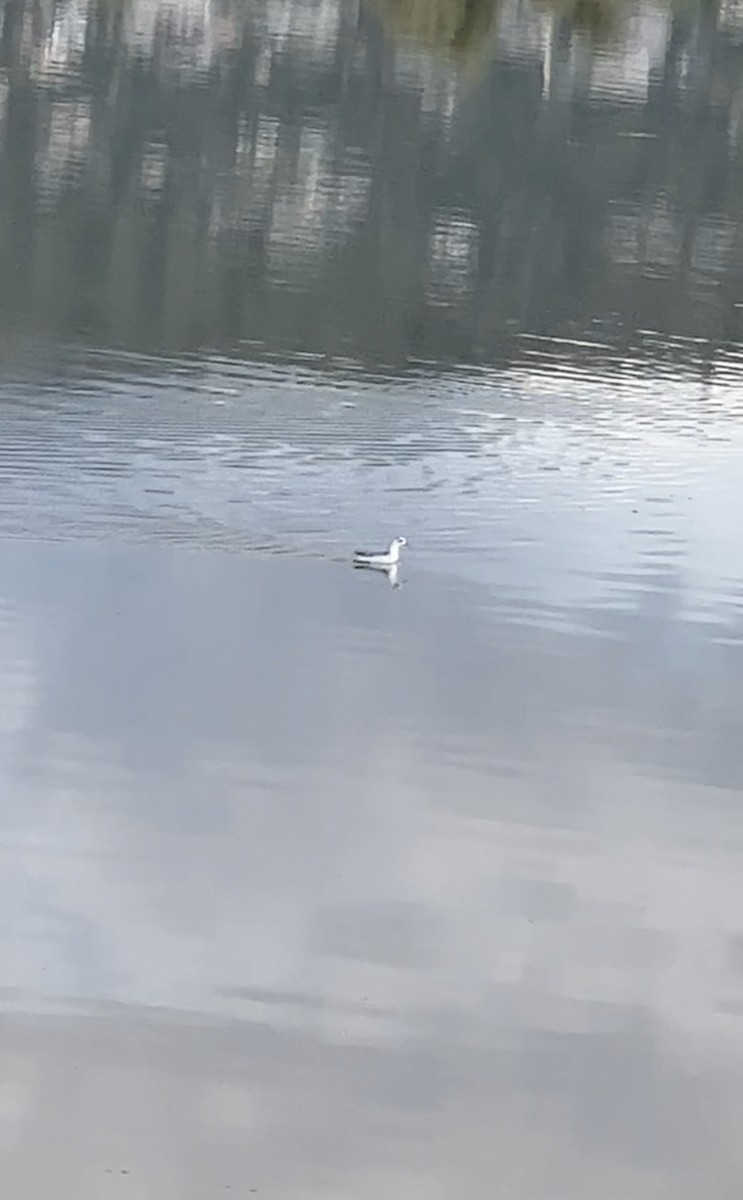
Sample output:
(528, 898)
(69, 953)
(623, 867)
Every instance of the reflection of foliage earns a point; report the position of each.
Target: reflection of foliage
(208, 206)
(460, 27)
(597, 18)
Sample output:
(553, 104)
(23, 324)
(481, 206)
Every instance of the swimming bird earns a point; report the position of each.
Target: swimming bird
(380, 558)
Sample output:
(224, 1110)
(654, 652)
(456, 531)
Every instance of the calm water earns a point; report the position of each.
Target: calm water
(312, 887)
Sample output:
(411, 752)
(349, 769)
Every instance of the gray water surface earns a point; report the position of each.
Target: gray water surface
(313, 887)
(321, 887)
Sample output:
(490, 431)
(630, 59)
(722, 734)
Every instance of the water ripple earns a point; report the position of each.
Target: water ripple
(557, 474)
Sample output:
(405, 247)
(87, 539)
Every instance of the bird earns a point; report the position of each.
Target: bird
(380, 558)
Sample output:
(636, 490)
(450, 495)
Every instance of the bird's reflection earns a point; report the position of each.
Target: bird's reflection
(392, 573)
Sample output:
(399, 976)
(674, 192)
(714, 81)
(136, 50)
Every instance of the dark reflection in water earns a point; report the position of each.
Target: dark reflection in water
(299, 176)
(420, 900)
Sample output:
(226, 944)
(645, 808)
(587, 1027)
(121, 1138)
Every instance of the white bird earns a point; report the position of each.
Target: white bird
(380, 558)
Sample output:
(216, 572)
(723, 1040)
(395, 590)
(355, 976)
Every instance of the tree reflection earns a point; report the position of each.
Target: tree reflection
(460, 27)
(289, 177)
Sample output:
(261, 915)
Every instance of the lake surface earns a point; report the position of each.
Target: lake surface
(311, 886)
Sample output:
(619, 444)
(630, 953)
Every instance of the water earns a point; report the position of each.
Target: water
(311, 886)
(375, 888)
